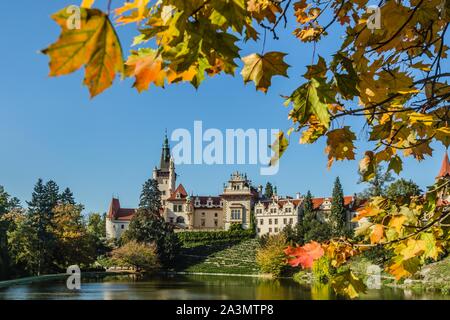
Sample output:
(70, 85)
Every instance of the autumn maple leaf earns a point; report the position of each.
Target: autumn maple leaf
(304, 256)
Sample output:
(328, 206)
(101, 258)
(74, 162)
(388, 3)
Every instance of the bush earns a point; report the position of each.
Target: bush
(147, 227)
(141, 256)
(271, 257)
(233, 234)
(322, 270)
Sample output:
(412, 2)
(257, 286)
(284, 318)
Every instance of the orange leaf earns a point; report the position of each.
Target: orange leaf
(377, 233)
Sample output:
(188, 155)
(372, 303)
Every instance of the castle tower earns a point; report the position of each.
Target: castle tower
(165, 174)
(238, 199)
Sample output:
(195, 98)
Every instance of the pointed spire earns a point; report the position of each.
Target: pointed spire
(445, 167)
(165, 153)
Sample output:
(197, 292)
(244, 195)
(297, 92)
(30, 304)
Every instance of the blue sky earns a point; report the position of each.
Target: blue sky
(109, 145)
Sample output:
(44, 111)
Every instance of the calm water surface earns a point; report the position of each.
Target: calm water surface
(192, 287)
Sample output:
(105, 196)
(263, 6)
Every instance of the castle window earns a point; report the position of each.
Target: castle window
(203, 222)
(270, 230)
(216, 223)
(288, 210)
(261, 222)
(276, 229)
(259, 230)
(270, 221)
(203, 214)
(291, 221)
(276, 221)
(235, 214)
(216, 214)
(273, 210)
(122, 226)
(285, 221)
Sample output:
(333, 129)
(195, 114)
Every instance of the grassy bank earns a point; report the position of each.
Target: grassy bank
(220, 257)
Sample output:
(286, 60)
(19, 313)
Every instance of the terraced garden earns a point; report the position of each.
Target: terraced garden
(229, 258)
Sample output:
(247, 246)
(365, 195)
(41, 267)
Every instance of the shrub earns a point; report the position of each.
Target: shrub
(322, 270)
(147, 227)
(141, 256)
(270, 257)
(234, 234)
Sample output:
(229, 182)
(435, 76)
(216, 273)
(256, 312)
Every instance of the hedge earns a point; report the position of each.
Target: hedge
(213, 236)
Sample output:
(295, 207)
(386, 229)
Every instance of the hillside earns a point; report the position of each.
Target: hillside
(230, 258)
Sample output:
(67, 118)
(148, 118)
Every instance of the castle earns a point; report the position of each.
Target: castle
(239, 203)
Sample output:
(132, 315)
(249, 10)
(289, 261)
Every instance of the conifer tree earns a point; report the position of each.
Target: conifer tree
(338, 215)
(43, 199)
(268, 191)
(66, 197)
(150, 198)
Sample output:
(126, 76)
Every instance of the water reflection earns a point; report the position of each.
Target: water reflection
(193, 287)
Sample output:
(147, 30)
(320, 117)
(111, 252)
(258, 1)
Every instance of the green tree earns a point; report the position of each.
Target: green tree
(22, 239)
(148, 227)
(270, 257)
(308, 203)
(96, 229)
(377, 185)
(315, 230)
(71, 237)
(66, 197)
(268, 190)
(402, 189)
(150, 198)
(338, 217)
(6, 205)
(40, 209)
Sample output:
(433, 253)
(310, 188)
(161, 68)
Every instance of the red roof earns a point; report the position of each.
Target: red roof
(117, 213)
(181, 190)
(317, 202)
(445, 167)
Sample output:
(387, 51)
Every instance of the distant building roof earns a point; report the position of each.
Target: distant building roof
(115, 212)
(179, 190)
(445, 167)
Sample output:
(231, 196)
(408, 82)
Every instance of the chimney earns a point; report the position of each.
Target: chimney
(298, 195)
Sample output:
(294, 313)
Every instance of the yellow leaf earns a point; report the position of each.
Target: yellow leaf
(138, 10)
(413, 249)
(95, 46)
(261, 69)
(87, 3)
(397, 223)
(340, 145)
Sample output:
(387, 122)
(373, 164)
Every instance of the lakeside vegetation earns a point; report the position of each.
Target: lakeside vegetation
(52, 234)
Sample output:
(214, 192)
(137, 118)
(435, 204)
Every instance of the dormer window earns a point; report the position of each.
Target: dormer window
(209, 203)
(178, 195)
(197, 202)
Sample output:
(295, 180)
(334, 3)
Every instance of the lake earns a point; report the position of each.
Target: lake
(181, 287)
